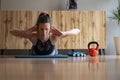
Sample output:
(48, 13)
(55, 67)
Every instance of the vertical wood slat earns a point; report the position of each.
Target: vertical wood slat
(2, 30)
(91, 23)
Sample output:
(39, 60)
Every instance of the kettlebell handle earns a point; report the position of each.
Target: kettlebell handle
(93, 42)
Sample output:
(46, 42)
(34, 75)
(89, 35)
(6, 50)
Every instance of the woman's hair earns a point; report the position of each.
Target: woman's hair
(43, 18)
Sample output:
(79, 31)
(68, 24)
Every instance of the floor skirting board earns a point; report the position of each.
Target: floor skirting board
(27, 51)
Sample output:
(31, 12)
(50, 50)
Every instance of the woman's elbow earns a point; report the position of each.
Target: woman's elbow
(12, 32)
(77, 31)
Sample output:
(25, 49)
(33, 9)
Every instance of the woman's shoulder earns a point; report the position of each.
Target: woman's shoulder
(53, 39)
(33, 40)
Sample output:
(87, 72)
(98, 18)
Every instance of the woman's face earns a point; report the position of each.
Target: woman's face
(44, 30)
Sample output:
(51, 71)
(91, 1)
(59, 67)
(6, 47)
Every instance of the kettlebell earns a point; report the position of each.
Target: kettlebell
(93, 51)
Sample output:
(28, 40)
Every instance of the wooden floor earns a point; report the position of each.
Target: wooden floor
(73, 68)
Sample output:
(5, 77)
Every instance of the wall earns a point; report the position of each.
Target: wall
(91, 23)
(0, 4)
(33, 4)
(107, 5)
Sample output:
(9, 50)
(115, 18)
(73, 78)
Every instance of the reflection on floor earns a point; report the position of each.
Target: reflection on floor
(73, 68)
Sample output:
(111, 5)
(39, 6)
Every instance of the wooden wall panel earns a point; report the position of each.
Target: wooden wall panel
(16, 20)
(2, 30)
(91, 23)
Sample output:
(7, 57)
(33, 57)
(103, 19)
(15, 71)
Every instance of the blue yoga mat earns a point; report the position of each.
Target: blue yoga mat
(42, 56)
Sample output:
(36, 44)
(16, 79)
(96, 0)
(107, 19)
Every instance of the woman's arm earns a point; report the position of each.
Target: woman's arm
(70, 33)
(61, 34)
(19, 33)
(24, 33)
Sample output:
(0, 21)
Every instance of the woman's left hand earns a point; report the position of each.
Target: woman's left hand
(55, 31)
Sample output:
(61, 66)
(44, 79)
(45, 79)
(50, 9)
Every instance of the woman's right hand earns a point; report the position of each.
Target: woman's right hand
(31, 31)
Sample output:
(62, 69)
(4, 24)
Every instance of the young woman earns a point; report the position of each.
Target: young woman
(43, 35)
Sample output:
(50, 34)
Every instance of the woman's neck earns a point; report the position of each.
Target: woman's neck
(43, 39)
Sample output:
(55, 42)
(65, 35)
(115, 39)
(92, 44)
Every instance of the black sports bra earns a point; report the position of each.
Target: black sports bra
(43, 48)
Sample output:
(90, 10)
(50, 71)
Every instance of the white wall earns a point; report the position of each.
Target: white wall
(107, 5)
(32, 4)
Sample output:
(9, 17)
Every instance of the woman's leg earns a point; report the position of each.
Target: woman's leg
(55, 52)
